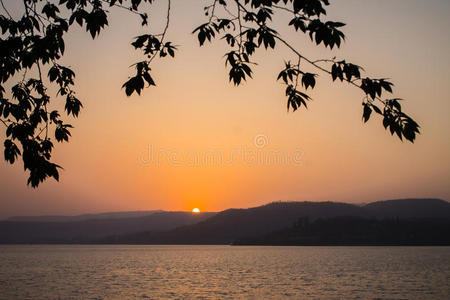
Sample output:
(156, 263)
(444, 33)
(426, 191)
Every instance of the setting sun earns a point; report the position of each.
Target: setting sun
(196, 210)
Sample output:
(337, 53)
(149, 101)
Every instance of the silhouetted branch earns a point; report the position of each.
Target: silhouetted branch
(4, 8)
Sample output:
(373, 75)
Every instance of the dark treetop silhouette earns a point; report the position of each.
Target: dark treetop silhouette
(34, 42)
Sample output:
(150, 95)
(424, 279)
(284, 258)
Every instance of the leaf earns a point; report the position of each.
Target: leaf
(336, 72)
(11, 151)
(367, 112)
(50, 10)
(73, 105)
(308, 80)
(148, 78)
(376, 109)
(53, 73)
(62, 133)
(54, 115)
(140, 40)
(95, 21)
(135, 84)
(144, 18)
(386, 85)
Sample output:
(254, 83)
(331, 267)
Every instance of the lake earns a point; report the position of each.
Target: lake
(223, 272)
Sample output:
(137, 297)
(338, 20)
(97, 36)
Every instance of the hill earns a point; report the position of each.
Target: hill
(410, 208)
(252, 225)
(229, 225)
(100, 216)
(237, 224)
(87, 231)
(358, 231)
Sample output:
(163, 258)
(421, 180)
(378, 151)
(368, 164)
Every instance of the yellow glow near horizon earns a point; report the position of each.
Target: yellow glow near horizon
(196, 210)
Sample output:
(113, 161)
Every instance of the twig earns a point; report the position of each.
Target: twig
(4, 123)
(240, 29)
(124, 7)
(163, 34)
(212, 11)
(318, 66)
(7, 12)
(298, 74)
(284, 8)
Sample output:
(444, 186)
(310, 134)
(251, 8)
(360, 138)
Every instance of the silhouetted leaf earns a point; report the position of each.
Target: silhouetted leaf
(308, 80)
(367, 112)
(73, 105)
(11, 151)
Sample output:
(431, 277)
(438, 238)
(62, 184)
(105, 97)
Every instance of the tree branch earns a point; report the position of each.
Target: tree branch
(7, 12)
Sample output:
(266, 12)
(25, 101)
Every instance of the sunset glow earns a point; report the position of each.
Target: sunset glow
(196, 210)
(194, 139)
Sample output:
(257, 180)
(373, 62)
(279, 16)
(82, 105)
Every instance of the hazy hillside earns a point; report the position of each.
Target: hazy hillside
(358, 231)
(110, 215)
(410, 208)
(90, 230)
(228, 225)
(234, 224)
(215, 228)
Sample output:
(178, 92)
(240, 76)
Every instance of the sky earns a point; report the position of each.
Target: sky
(195, 140)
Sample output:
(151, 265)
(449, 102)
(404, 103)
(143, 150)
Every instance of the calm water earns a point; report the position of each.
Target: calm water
(218, 272)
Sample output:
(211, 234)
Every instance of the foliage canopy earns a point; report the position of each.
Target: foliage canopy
(34, 43)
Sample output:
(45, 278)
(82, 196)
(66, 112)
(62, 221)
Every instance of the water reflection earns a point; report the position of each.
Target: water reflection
(223, 272)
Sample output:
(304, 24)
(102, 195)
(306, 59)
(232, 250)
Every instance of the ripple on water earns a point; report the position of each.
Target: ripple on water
(223, 272)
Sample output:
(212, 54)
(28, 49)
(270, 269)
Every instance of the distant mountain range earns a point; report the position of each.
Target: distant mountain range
(410, 208)
(101, 216)
(257, 225)
(66, 230)
(232, 225)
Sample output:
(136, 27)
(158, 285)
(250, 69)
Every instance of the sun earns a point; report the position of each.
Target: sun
(196, 210)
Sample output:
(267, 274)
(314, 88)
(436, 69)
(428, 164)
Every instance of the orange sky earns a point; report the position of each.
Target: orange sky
(201, 129)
